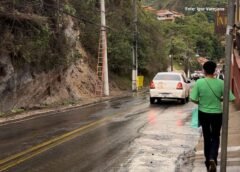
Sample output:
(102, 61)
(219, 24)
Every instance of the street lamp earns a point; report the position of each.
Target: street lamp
(187, 63)
(197, 55)
(171, 62)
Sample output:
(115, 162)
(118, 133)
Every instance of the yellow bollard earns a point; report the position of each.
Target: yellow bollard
(140, 80)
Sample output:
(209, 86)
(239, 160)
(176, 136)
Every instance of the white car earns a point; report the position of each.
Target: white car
(169, 85)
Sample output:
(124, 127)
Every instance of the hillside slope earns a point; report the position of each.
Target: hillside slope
(42, 60)
(48, 51)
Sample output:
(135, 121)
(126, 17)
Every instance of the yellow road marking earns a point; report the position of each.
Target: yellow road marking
(31, 152)
(22, 156)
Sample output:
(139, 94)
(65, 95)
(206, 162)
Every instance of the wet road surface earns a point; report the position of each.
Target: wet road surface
(127, 134)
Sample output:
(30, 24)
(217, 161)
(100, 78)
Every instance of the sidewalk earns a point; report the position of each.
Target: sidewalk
(233, 157)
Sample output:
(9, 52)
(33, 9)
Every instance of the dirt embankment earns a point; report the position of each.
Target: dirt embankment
(26, 88)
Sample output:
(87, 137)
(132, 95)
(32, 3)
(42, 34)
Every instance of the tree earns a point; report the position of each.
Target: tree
(194, 34)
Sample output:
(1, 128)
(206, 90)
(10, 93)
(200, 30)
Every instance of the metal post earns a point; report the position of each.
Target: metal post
(169, 65)
(237, 6)
(187, 66)
(135, 58)
(58, 8)
(172, 53)
(228, 49)
(104, 39)
(15, 97)
(188, 69)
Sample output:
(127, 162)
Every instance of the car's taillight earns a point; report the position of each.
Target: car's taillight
(152, 86)
(179, 86)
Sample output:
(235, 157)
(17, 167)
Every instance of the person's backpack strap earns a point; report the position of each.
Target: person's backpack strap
(213, 91)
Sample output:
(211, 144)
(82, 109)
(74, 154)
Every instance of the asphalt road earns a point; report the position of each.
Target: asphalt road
(127, 134)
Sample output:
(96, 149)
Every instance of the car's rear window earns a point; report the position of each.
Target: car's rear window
(167, 77)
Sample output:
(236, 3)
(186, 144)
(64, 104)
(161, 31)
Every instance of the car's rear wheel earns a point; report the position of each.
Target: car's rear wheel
(152, 100)
(159, 100)
(183, 101)
(187, 99)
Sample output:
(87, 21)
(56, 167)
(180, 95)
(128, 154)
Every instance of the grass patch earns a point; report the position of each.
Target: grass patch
(122, 82)
(17, 110)
(69, 102)
(178, 66)
(2, 114)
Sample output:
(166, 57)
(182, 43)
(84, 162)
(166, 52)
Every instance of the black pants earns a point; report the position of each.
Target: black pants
(211, 126)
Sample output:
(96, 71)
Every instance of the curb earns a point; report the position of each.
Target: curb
(44, 112)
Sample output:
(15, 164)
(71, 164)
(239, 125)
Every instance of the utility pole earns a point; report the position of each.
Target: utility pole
(58, 8)
(135, 44)
(188, 67)
(228, 49)
(237, 5)
(104, 46)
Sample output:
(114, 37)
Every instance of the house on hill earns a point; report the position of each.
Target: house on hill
(164, 14)
(167, 15)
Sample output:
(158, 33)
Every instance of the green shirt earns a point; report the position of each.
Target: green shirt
(207, 101)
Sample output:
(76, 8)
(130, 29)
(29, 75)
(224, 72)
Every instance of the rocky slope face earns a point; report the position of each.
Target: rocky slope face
(24, 89)
(26, 85)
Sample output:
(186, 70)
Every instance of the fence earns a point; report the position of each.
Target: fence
(235, 79)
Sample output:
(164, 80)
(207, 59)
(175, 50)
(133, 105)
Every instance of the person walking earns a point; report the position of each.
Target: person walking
(207, 93)
(221, 75)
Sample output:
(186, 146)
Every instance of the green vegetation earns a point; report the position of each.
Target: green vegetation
(33, 33)
(39, 39)
(2, 114)
(184, 38)
(181, 4)
(17, 110)
(194, 34)
(152, 52)
(69, 9)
